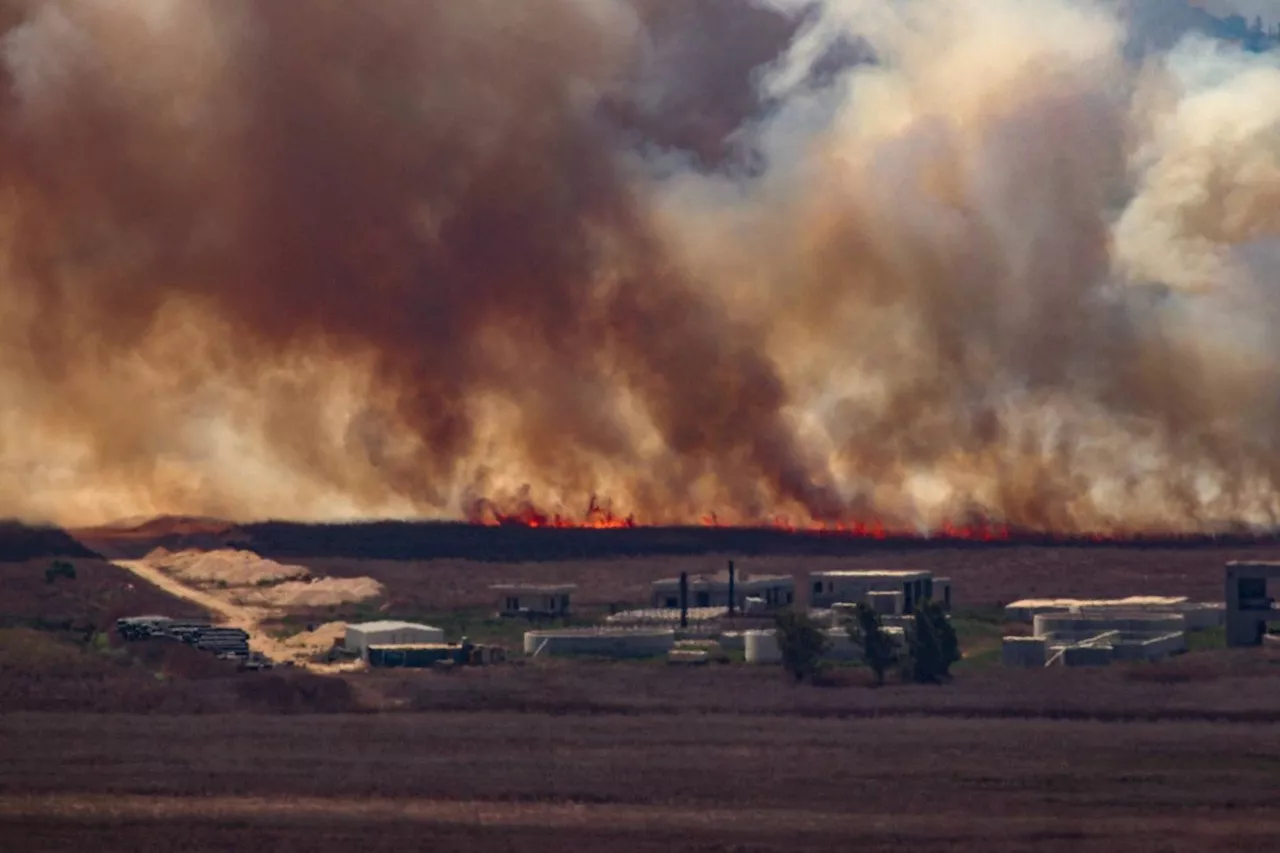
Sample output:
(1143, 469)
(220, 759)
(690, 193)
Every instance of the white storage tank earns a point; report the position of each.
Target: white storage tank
(761, 647)
(390, 633)
(603, 642)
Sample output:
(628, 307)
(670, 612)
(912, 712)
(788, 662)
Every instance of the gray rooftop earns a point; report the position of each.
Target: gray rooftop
(391, 625)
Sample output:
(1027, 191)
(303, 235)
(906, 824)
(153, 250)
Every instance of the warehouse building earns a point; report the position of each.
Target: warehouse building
(389, 633)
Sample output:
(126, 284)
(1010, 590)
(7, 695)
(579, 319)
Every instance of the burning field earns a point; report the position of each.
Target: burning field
(878, 269)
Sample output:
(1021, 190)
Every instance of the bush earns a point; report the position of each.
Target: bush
(59, 569)
(801, 643)
(878, 651)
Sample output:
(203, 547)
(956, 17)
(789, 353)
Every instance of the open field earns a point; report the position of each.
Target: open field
(503, 781)
(156, 747)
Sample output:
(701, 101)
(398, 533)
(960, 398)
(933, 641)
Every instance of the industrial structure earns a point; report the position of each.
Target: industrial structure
(761, 647)
(851, 587)
(1198, 615)
(225, 642)
(424, 655)
(1096, 638)
(1249, 607)
(530, 600)
(728, 589)
(602, 642)
(360, 638)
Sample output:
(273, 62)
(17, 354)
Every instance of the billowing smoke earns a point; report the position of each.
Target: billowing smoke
(918, 262)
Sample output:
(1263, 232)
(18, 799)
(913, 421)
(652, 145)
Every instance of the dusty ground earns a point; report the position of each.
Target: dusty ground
(501, 781)
(222, 603)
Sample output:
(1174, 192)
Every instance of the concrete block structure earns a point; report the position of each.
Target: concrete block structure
(600, 642)
(713, 591)
(534, 600)
(389, 633)
(1032, 652)
(1250, 605)
(835, 587)
(1078, 638)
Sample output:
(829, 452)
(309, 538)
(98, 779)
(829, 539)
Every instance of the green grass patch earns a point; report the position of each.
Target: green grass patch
(1207, 640)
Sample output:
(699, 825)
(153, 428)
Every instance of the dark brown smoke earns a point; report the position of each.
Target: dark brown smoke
(844, 261)
(433, 192)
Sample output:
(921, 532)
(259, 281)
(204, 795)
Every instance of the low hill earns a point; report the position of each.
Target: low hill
(20, 542)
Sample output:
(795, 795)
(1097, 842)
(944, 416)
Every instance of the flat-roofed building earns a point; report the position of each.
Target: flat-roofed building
(534, 599)
(1250, 604)
(713, 590)
(839, 587)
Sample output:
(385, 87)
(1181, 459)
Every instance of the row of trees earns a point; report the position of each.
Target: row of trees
(931, 644)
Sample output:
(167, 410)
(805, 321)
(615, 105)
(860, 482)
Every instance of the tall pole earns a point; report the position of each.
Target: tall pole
(684, 599)
(732, 598)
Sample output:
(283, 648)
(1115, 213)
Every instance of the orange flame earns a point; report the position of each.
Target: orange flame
(599, 516)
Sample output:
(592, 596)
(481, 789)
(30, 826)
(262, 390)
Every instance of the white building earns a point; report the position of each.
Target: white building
(851, 587)
(389, 633)
(531, 599)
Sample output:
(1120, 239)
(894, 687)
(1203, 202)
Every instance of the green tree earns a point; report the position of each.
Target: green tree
(801, 643)
(933, 645)
(878, 650)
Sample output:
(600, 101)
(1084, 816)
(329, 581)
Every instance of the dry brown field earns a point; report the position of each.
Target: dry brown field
(683, 782)
(981, 576)
(156, 748)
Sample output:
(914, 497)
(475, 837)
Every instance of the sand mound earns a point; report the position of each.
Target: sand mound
(323, 637)
(225, 567)
(247, 579)
(318, 592)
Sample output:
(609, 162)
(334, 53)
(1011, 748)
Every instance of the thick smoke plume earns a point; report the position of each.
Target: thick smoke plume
(840, 262)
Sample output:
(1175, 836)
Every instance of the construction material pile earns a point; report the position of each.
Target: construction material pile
(255, 581)
(225, 642)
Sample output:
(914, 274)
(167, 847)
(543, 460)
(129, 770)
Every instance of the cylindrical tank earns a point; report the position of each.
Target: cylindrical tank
(761, 647)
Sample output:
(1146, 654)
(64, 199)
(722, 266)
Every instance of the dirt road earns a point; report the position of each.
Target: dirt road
(248, 619)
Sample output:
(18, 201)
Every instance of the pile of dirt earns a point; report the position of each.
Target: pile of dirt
(20, 542)
(225, 568)
(248, 579)
(318, 640)
(316, 592)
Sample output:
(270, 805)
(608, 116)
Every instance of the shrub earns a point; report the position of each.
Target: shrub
(59, 569)
(801, 643)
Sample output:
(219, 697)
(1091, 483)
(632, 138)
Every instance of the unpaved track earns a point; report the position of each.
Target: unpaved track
(248, 619)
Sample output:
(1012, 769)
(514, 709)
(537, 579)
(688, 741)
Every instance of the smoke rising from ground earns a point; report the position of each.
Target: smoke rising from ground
(915, 261)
